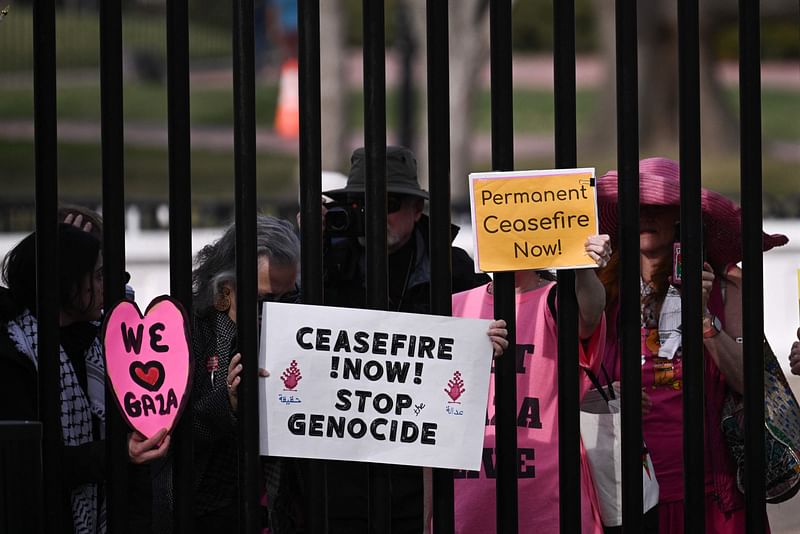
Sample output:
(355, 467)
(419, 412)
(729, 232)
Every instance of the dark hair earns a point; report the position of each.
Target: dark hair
(216, 263)
(77, 256)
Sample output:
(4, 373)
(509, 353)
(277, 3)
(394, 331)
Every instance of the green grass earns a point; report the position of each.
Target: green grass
(78, 38)
(533, 109)
(141, 102)
(146, 173)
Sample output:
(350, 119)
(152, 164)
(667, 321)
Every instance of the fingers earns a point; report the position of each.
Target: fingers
(500, 323)
(234, 368)
(154, 454)
(234, 362)
(598, 247)
(77, 222)
(794, 356)
(499, 346)
(498, 334)
(263, 373)
(141, 450)
(233, 385)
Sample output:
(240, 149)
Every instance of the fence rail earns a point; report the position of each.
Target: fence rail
(180, 211)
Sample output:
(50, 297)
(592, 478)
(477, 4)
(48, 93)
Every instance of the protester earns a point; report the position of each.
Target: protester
(537, 400)
(662, 359)
(90, 221)
(82, 370)
(794, 355)
(409, 267)
(214, 398)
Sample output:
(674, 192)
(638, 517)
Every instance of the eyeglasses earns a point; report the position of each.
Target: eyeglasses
(394, 203)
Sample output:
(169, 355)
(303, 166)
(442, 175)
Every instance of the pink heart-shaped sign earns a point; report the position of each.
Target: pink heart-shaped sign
(148, 362)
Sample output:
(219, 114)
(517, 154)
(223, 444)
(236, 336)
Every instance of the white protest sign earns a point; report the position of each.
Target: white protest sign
(373, 386)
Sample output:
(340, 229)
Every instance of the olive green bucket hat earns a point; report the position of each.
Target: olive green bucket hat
(401, 174)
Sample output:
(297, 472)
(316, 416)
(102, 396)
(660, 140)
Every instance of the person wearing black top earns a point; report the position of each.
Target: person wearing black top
(409, 291)
(82, 376)
(214, 349)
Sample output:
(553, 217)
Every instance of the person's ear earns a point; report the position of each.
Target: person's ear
(222, 301)
(419, 204)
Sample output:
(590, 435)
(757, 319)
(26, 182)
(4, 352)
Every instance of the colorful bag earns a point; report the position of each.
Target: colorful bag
(781, 432)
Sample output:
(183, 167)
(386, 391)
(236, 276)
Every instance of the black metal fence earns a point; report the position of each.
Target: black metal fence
(375, 143)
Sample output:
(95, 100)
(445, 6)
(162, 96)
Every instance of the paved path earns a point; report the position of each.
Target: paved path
(150, 135)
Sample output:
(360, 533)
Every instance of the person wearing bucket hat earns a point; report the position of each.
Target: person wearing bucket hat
(409, 291)
(407, 240)
(662, 358)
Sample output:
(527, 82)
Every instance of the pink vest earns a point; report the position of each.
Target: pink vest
(537, 423)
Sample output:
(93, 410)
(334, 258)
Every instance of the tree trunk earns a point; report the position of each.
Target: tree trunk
(469, 49)
(658, 84)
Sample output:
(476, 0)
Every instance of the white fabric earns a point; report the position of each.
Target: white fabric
(669, 324)
(601, 424)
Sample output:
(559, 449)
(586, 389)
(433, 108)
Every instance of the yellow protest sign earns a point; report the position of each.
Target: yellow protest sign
(533, 219)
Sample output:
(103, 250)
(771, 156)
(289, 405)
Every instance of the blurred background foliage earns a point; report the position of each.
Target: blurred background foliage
(144, 31)
(210, 43)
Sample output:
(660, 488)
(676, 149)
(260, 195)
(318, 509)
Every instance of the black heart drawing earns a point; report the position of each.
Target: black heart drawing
(149, 375)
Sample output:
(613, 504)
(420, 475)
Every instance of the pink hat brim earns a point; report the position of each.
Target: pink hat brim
(659, 185)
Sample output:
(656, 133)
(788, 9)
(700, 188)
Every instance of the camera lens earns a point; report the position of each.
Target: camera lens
(337, 219)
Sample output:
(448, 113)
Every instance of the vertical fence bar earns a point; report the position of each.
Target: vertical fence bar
(47, 304)
(692, 261)
(246, 261)
(505, 377)
(310, 159)
(180, 234)
(752, 262)
(377, 270)
(439, 184)
(628, 228)
(112, 142)
(568, 370)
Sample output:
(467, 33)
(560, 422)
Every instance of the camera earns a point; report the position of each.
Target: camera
(344, 219)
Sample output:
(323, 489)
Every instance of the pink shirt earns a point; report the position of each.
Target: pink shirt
(537, 432)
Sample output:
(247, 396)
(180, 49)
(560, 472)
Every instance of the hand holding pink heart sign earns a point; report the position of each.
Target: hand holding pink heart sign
(148, 362)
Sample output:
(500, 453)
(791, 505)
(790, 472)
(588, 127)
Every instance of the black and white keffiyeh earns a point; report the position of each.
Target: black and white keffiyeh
(77, 409)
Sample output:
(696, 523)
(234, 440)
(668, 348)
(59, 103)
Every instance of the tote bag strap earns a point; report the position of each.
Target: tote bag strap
(596, 383)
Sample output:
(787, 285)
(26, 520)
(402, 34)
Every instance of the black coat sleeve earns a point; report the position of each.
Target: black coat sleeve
(17, 384)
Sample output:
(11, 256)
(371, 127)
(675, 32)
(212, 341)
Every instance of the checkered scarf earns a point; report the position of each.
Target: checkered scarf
(77, 410)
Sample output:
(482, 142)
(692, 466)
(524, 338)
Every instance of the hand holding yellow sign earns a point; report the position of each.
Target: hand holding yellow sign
(533, 219)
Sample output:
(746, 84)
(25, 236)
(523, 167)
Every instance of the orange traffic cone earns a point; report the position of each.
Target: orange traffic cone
(287, 113)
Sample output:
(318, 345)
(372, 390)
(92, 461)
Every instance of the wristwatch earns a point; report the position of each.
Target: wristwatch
(711, 326)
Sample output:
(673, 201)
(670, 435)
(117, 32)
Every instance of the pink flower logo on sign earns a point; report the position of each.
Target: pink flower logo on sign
(455, 387)
(148, 362)
(291, 376)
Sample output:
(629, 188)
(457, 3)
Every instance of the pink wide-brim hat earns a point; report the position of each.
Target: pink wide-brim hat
(659, 185)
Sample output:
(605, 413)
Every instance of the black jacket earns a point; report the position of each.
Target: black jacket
(79, 464)
(345, 272)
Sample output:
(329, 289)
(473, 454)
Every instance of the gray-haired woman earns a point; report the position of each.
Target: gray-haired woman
(215, 353)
